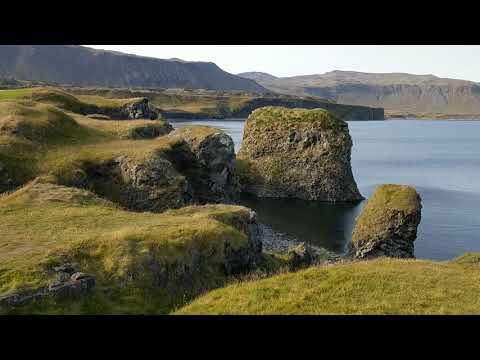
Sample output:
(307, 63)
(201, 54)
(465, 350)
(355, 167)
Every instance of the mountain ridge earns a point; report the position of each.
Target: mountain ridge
(84, 66)
(401, 92)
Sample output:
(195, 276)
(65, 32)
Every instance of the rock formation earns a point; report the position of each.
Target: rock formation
(212, 176)
(195, 165)
(68, 284)
(297, 153)
(135, 109)
(387, 225)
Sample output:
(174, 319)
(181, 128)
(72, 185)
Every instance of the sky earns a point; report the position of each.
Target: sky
(452, 61)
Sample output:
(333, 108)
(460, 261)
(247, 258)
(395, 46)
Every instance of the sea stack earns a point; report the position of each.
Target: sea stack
(297, 153)
(387, 225)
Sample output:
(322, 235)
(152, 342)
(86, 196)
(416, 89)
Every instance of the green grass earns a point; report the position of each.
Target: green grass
(45, 224)
(15, 94)
(271, 115)
(196, 133)
(63, 100)
(393, 196)
(381, 286)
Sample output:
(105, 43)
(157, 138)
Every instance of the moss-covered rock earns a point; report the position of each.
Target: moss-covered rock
(387, 225)
(297, 153)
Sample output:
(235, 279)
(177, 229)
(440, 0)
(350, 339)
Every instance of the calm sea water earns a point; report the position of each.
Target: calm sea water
(440, 158)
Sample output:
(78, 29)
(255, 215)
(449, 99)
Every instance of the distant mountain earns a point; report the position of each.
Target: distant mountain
(83, 66)
(400, 92)
(258, 76)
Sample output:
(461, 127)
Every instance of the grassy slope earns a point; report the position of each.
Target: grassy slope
(382, 286)
(45, 224)
(39, 139)
(62, 99)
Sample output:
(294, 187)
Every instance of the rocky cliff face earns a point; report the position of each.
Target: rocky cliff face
(416, 94)
(212, 173)
(82, 66)
(196, 166)
(387, 226)
(297, 153)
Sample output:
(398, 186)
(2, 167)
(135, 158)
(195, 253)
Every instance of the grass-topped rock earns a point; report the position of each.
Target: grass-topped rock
(65, 250)
(297, 153)
(387, 225)
(116, 109)
(379, 286)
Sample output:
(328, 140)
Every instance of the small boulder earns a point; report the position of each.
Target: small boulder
(301, 255)
(387, 225)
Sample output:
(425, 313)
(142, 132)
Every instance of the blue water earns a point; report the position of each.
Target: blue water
(440, 158)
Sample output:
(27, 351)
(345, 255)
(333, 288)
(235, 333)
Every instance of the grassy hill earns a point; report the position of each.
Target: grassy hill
(381, 286)
(45, 225)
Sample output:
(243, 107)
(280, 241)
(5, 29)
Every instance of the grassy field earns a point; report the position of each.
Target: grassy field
(381, 286)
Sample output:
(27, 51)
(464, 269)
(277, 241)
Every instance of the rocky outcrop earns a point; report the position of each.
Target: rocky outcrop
(138, 109)
(196, 166)
(150, 184)
(387, 225)
(150, 131)
(238, 260)
(301, 255)
(235, 260)
(297, 153)
(212, 177)
(68, 284)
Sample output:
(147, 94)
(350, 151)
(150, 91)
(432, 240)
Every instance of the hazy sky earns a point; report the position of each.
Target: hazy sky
(454, 61)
